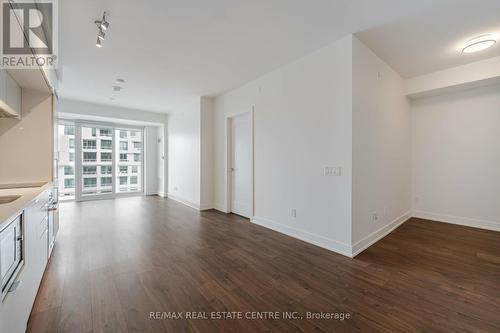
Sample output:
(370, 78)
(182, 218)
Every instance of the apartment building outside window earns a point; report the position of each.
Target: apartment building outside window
(69, 183)
(69, 130)
(89, 170)
(106, 132)
(69, 170)
(106, 157)
(106, 170)
(95, 152)
(106, 181)
(89, 156)
(106, 144)
(89, 182)
(89, 144)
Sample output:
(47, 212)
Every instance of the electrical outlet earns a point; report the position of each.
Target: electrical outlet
(375, 217)
(333, 171)
(293, 213)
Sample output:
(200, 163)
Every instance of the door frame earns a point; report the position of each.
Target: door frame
(228, 130)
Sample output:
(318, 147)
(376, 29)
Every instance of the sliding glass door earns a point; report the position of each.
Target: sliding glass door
(106, 160)
(95, 165)
(129, 160)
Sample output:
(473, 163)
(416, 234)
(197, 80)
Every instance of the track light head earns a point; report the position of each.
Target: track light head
(98, 43)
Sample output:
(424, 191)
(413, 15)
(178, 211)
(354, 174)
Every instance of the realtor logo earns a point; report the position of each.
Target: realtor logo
(28, 34)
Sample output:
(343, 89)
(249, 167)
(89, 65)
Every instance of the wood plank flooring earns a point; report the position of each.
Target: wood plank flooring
(118, 260)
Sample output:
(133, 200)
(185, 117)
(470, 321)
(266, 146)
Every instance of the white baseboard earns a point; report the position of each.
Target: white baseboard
(465, 221)
(374, 237)
(162, 194)
(206, 206)
(183, 201)
(220, 208)
(305, 236)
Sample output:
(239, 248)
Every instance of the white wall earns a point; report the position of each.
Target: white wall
(302, 123)
(381, 148)
(456, 157)
(184, 158)
(207, 152)
(151, 181)
(155, 127)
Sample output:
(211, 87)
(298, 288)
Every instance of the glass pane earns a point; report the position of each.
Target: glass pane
(66, 155)
(97, 160)
(129, 160)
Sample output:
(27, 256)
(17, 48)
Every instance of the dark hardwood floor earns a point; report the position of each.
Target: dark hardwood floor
(118, 260)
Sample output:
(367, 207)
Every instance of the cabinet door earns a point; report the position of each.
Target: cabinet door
(12, 94)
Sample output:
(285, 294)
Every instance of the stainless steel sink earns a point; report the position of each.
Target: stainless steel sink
(8, 199)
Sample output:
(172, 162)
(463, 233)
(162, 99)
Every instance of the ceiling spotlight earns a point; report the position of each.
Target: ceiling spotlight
(98, 43)
(120, 80)
(479, 43)
(117, 88)
(102, 25)
(101, 35)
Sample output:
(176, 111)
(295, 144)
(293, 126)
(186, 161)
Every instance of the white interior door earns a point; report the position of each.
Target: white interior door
(241, 165)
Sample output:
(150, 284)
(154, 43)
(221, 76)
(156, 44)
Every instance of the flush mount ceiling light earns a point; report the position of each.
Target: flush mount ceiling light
(102, 25)
(479, 43)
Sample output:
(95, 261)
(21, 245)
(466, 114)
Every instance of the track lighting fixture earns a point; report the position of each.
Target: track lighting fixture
(102, 25)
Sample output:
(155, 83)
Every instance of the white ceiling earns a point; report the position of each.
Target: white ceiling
(170, 51)
(430, 41)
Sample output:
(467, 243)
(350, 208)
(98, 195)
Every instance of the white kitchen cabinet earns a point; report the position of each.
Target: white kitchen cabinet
(10, 96)
(16, 307)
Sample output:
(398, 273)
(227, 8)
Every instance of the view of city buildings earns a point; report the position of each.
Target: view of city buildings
(96, 160)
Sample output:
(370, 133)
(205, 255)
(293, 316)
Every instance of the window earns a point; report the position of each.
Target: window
(137, 157)
(89, 182)
(106, 144)
(134, 168)
(123, 134)
(106, 181)
(106, 132)
(69, 130)
(94, 131)
(69, 170)
(123, 157)
(71, 156)
(89, 156)
(71, 143)
(69, 183)
(137, 145)
(106, 170)
(106, 157)
(89, 170)
(89, 144)
(123, 145)
(133, 180)
(133, 134)
(123, 180)
(123, 169)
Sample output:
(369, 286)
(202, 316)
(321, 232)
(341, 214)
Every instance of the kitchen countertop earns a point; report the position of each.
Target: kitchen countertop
(12, 209)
